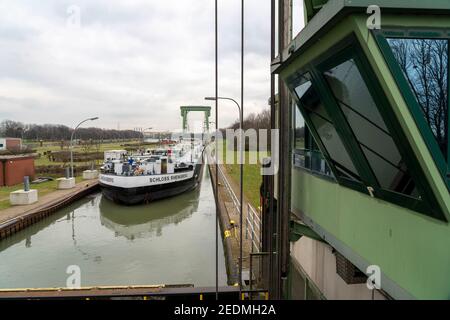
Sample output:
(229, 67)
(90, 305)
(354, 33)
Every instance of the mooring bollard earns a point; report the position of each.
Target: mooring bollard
(25, 196)
(67, 182)
(26, 183)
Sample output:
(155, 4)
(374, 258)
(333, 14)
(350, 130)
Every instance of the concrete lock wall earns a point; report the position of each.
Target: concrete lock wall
(16, 169)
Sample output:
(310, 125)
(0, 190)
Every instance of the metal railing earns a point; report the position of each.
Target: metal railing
(252, 220)
(253, 228)
(230, 190)
(253, 231)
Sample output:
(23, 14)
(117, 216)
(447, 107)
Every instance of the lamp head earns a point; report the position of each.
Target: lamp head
(210, 98)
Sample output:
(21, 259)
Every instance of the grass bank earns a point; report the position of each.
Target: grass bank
(252, 172)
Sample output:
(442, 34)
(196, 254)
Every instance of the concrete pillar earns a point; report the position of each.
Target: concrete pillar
(65, 183)
(23, 198)
(90, 174)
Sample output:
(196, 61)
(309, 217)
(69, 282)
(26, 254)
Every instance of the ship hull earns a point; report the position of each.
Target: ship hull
(147, 194)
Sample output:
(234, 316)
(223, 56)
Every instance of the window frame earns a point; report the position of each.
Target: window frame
(294, 108)
(411, 101)
(292, 83)
(345, 50)
(310, 145)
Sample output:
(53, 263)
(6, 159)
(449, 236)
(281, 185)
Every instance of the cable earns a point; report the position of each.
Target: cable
(216, 142)
(242, 149)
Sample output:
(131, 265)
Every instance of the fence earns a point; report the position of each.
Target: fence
(253, 228)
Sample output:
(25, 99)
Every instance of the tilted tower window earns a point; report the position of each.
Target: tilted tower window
(299, 130)
(306, 153)
(310, 101)
(369, 128)
(355, 126)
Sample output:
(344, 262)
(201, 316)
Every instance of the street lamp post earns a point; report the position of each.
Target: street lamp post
(71, 142)
(23, 130)
(235, 102)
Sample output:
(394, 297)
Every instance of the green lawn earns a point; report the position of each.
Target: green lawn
(43, 189)
(252, 174)
(252, 180)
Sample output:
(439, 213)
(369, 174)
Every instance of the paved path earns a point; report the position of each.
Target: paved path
(44, 201)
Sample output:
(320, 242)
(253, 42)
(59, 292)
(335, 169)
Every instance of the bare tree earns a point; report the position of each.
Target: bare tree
(51, 132)
(425, 65)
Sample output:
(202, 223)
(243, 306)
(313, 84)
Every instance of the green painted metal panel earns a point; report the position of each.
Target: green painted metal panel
(334, 11)
(410, 249)
(299, 230)
(313, 6)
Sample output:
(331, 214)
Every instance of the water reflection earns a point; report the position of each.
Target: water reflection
(146, 221)
(169, 241)
(425, 64)
(27, 235)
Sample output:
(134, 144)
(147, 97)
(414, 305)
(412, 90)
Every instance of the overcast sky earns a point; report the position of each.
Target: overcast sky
(130, 62)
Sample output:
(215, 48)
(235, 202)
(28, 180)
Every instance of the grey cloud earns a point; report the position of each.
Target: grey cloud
(132, 61)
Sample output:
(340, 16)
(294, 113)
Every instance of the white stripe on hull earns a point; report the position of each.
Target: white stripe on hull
(144, 181)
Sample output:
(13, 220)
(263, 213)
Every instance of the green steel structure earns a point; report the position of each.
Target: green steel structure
(186, 109)
(370, 170)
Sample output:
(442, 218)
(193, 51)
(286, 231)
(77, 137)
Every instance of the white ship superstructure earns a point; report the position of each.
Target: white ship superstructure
(153, 174)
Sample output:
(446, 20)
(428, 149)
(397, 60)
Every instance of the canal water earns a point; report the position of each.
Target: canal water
(167, 242)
